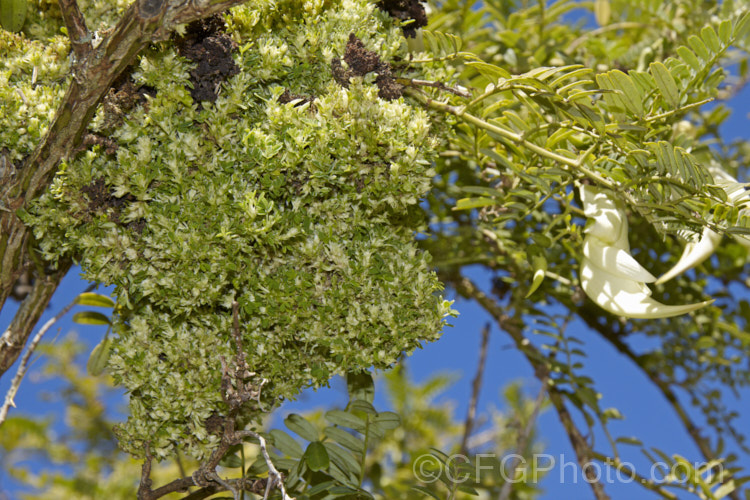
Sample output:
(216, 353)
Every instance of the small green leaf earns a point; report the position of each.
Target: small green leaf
(300, 426)
(316, 456)
(629, 440)
(711, 39)
(699, 48)
(613, 414)
(360, 386)
(725, 31)
(320, 488)
(362, 406)
(705, 343)
(742, 27)
(99, 357)
(539, 264)
(468, 489)
(469, 203)
(689, 57)
(388, 420)
(286, 443)
(602, 12)
(344, 460)
(490, 71)
(427, 492)
(724, 490)
(345, 419)
(666, 83)
(345, 439)
(94, 300)
(13, 14)
(320, 372)
(90, 318)
(258, 467)
(632, 96)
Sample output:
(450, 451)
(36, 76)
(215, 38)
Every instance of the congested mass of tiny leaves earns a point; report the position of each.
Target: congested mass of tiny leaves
(291, 194)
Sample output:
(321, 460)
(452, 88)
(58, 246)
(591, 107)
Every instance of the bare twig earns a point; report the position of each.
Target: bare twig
(276, 476)
(476, 385)
(693, 430)
(523, 440)
(512, 325)
(24, 365)
(459, 91)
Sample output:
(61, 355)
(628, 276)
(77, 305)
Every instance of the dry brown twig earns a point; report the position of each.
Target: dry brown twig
(24, 365)
(476, 385)
(236, 392)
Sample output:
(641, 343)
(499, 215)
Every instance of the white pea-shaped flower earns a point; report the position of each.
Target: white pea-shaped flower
(610, 275)
(697, 251)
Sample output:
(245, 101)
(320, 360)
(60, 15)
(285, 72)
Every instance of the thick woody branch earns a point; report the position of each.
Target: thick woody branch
(29, 312)
(23, 367)
(144, 22)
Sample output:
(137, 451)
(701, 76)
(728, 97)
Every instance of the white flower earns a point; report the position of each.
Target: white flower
(610, 275)
(697, 251)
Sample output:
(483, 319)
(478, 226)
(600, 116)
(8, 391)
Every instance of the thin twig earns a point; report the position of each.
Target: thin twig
(523, 439)
(226, 485)
(276, 476)
(459, 91)
(512, 325)
(632, 474)
(476, 385)
(24, 365)
(693, 430)
(31, 309)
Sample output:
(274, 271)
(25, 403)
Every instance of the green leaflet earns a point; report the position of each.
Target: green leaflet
(13, 14)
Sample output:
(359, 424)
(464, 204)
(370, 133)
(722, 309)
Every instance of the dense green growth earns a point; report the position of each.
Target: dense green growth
(290, 194)
(276, 158)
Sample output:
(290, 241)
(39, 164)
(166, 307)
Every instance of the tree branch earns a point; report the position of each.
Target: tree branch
(31, 309)
(693, 430)
(80, 38)
(476, 385)
(466, 288)
(23, 367)
(523, 440)
(143, 22)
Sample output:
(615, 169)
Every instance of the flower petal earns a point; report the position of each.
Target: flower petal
(627, 298)
(694, 254)
(615, 260)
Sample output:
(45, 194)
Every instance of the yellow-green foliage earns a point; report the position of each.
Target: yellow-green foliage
(304, 214)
